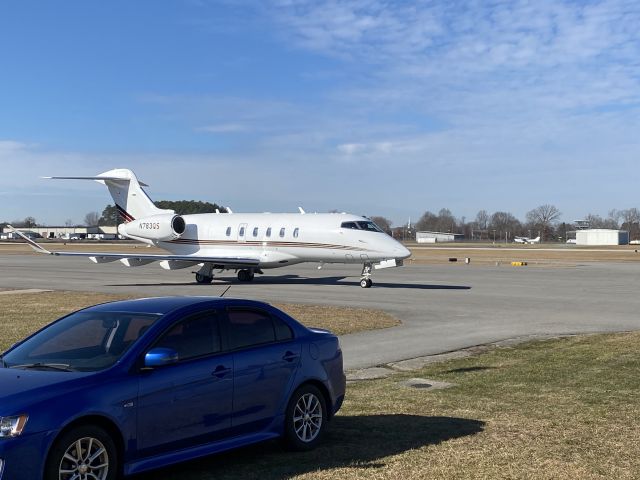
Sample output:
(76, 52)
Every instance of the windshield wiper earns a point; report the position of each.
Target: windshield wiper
(63, 367)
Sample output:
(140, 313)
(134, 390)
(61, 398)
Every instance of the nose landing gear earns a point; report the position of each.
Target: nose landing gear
(365, 281)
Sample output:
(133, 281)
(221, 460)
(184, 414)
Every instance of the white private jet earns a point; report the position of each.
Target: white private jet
(527, 240)
(245, 242)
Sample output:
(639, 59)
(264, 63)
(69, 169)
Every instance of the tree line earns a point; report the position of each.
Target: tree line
(541, 221)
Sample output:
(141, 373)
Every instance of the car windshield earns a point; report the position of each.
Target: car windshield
(84, 341)
(362, 225)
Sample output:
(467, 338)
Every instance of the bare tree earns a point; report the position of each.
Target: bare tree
(543, 217)
(446, 221)
(383, 223)
(428, 222)
(596, 221)
(91, 219)
(68, 222)
(631, 222)
(504, 224)
(482, 219)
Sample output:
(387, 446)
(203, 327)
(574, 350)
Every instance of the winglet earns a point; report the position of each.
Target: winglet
(301, 210)
(36, 246)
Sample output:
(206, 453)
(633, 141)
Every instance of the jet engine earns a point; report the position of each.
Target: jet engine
(164, 227)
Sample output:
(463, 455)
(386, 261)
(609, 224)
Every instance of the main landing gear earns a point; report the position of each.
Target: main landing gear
(203, 279)
(365, 281)
(205, 274)
(245, 275)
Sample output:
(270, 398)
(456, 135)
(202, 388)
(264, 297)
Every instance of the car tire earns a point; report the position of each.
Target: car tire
(305, 419)
(98, 456)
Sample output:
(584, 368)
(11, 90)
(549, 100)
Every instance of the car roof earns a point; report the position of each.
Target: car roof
(164, 305)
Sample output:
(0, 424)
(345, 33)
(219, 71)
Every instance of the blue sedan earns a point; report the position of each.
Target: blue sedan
(129, 386)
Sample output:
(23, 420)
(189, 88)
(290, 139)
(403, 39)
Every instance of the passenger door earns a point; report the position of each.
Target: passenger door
(188, 402)
(266, 358)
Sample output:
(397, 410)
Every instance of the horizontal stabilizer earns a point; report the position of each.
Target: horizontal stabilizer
(97, 178)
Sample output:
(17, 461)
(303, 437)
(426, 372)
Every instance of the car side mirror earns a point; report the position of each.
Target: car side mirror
(159, 357)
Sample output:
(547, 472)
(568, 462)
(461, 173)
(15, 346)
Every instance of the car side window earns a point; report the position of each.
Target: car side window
(193, 337)
(249, 327)
(283, 331)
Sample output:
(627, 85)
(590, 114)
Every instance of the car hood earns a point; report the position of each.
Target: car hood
(30, 386)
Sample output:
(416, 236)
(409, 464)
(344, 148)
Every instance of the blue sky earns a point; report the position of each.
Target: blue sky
(377, 108)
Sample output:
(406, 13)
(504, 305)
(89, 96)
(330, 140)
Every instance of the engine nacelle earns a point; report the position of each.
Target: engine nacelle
(167, 226)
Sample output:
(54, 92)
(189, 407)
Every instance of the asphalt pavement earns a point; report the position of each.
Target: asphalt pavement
(442, 308)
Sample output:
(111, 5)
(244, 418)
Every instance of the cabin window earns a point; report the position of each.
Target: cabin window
(255, 232)
(282, 232)
(228, 231)
(269, 232)
(296, 231)
(241, 233)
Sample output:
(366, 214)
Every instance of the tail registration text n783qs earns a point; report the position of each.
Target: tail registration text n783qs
(245, 242)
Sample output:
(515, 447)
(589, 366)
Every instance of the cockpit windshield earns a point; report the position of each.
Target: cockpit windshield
(367, 225)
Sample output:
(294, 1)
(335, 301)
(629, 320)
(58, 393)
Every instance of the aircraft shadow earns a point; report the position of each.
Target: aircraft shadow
(352, 441)
(296, 280)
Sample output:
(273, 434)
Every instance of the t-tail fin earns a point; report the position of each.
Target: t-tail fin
(131, 200)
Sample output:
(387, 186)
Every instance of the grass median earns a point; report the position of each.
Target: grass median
(23, 313)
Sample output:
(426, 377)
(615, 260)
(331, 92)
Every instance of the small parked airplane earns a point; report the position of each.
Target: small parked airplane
(245, 242)
(527, 240)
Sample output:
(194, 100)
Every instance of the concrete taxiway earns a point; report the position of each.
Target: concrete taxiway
(442, 307)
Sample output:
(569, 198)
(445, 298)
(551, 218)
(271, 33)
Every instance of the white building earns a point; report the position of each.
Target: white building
(438, 237)
(602, 236)
(69, 233)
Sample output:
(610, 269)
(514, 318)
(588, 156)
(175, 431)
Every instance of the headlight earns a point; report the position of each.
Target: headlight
(12, 426)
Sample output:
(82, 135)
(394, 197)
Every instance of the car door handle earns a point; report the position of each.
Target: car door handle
(290, 356)
(221, 371)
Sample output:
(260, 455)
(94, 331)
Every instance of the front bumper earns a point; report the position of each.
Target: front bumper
(22, 458)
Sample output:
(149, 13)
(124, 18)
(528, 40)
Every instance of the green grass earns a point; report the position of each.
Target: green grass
(567, 408)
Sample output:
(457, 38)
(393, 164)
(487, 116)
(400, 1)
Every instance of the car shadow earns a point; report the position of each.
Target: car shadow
(361, 442)
(296, 280)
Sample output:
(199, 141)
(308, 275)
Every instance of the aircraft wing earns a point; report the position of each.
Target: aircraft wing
(169, 262)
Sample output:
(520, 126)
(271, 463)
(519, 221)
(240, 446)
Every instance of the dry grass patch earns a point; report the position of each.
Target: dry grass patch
(340, 320)
(543, 255)
(25, 313)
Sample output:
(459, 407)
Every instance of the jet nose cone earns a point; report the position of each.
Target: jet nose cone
(405, 252)
(402, 252)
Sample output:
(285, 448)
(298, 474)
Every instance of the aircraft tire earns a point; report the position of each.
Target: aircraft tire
(366, 283)
(203, 279)
(245, 275)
